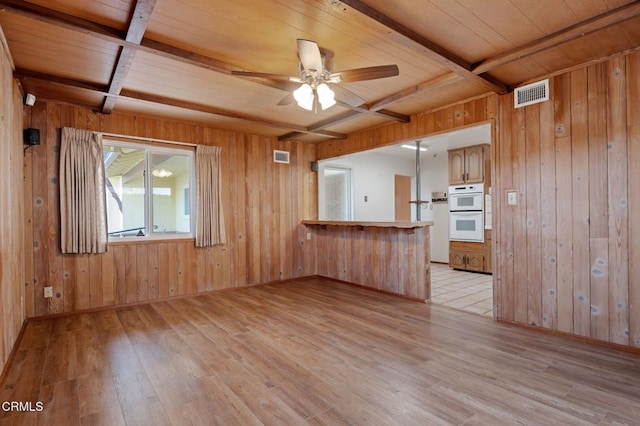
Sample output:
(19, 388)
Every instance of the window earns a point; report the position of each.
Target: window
(148, 190)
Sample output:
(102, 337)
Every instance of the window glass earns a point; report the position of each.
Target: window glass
(148, 190)
(170, 176)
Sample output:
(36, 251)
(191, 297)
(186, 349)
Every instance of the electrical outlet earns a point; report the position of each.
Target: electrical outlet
(512, 198)
(308, 235)
(48, 292)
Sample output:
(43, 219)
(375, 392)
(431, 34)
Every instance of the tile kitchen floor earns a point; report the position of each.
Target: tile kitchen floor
(465, 291)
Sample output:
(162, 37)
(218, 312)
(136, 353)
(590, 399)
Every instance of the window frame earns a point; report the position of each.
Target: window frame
(150, 149)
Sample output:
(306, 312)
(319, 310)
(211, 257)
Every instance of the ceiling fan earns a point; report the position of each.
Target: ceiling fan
(319, 87)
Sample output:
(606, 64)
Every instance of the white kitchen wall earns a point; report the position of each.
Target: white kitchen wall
(434, 176)
(372, 177)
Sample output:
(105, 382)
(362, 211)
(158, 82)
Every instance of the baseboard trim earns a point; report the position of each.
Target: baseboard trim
(564, 334)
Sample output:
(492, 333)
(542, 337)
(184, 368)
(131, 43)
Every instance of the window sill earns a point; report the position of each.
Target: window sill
(139, 241)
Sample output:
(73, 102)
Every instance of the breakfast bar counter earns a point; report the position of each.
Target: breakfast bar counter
(392, 257)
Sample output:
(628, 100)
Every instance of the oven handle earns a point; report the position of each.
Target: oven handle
(466, 212)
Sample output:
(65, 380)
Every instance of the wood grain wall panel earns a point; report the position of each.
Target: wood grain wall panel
(503, 182)
(597, 128)
(83, 298)
(396, 260)
(27, 200)
(587, 203)
(55, 266)
(130, 272)
(598, 202)
(142, 282)
(618, 202)
(119, 262)
(518, 164)
(152, 271)
(633, 121)
(13, 277)
(564, 201)
(580, 189)
(40, 209)
(548, 228)
(264, 203)
(163, 269)
(533, 209)
(634, 224)
(108, 279)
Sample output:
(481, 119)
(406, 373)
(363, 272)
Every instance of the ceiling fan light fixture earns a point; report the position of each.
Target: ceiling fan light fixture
(325, 96)
(161, 173)
(304, 96)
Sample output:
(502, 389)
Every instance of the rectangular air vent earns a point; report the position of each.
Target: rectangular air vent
(280, 156)
(531, 93)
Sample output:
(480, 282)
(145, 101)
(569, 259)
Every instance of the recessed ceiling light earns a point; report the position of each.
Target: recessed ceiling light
(422, 148)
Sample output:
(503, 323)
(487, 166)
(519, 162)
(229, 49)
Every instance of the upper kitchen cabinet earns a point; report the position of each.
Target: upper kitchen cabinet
(466, 165)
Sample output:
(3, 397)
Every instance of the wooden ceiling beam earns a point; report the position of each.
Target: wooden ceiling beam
(597, 23)
(433, 51)
(347, 115)
(137, 27)
(140, 96)
(364, 109)
(427, 86)
(24, 74)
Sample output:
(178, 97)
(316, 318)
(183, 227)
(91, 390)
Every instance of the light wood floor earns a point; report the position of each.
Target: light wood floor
(466, 291)
(312, 352)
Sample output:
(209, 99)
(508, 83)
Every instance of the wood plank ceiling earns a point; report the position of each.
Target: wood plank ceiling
(174, 58)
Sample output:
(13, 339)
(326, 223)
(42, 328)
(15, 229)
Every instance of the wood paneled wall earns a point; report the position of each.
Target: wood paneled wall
(12, 275)
(568, 255)
(263, 205)
(427, 123)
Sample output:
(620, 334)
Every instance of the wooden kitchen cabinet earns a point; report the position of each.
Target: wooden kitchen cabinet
(457, 259)
(466, 165)
(467, 256)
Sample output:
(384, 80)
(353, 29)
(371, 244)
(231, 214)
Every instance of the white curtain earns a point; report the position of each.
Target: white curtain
(209, 213)
(83, 214)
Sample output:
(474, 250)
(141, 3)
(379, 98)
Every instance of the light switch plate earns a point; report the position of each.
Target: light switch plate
(512, 198)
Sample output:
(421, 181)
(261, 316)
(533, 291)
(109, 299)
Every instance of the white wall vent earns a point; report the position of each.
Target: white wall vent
(280, 156)
(531, 93)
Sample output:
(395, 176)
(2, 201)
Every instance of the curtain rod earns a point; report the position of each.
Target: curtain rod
(140, 138)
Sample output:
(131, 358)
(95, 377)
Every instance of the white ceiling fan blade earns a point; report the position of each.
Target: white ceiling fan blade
(261, 75)
(309, 54)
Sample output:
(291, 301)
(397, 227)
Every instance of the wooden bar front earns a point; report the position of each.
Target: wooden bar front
(392, 257)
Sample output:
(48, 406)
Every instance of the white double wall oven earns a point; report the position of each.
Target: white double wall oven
(466, 212)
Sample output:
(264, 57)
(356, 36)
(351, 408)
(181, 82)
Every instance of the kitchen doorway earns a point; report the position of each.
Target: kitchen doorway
(338, 200)
(375, 174)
